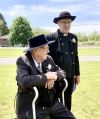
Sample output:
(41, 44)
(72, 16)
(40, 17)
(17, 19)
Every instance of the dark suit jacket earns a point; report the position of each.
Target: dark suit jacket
(27, 77)
(57, 53)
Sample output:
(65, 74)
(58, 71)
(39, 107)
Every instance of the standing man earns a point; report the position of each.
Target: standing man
(65, 53)
(38, 69)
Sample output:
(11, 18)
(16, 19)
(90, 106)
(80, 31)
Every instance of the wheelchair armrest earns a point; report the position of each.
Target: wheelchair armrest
(33, 103)
(63, 91)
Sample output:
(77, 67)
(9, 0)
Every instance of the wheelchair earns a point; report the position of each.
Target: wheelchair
(36, 96)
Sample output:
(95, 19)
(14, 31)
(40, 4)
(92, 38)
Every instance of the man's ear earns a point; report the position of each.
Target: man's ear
(35, 50)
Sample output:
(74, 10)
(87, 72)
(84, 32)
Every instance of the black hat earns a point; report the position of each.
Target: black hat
(64, 15)
(37, 41)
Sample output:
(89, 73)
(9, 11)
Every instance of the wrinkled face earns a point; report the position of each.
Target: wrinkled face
(40, 53)
(64, 25)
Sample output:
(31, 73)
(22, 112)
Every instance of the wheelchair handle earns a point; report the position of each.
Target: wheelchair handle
(63, 91)
(33, 103)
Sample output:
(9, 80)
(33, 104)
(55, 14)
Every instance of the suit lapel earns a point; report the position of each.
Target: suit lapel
(44, 67)
(32, 64)
(34, 69)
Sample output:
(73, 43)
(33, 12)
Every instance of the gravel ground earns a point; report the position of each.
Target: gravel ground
(81, 58)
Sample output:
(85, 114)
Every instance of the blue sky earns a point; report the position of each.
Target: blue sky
(40, 13)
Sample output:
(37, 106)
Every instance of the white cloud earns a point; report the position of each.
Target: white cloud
(22, 10)
(34, 11)
(86, 28)
(44, 9)
(97, 0)
(47, 9)
(18, 10)
(57, 0)
(60, 1)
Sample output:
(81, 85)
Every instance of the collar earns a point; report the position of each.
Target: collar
(62, 34)
(37, 64)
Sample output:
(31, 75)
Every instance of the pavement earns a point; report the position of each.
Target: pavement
(89, 58)
(81, 59)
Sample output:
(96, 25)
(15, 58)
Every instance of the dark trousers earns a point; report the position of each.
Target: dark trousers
(58, 111)
(68, 93)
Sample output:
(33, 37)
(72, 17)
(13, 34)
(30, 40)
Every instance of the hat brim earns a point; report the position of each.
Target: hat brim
(30, 49)
(65, 17)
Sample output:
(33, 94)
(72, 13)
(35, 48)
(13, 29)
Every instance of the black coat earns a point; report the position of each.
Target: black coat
(57, 52)
(27, 77)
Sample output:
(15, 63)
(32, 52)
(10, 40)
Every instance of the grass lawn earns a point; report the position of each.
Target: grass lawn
(15, 52)
(89, 51)
(86, 102)
(11, 52)
(7, 91)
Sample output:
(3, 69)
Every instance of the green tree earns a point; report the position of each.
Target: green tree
(82, 37)
(95, 36)
(20, 31)
(3, 26)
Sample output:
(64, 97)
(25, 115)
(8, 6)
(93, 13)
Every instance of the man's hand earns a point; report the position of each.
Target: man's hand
(49, 84)
(51, 75)
(77, 79)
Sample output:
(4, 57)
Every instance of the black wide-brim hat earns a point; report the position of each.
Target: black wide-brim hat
(37, 41)
(64, 15)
